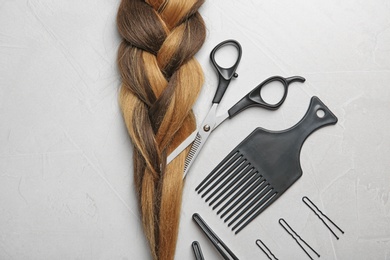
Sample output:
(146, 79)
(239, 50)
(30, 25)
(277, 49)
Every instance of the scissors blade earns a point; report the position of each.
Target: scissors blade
(182, 146)
(219, 119)
(191, 138)
(197, 145)
(201, 137)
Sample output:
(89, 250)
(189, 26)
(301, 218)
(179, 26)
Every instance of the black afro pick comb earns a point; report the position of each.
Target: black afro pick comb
(260, 169)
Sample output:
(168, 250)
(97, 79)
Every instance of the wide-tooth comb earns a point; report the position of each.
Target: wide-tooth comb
(260, 169)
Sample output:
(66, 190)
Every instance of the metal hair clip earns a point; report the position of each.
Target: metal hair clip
(313, 208)
(265, 250)
(197, 250)
(295, 236)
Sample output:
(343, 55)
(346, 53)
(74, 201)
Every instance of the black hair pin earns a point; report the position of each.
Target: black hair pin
(296, 237)
(197, 250)
(315, 209)
(265, 250)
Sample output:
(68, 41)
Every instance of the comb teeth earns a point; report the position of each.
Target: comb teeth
(237, 191)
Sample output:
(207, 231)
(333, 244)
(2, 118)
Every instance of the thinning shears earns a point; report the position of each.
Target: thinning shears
(199, 137)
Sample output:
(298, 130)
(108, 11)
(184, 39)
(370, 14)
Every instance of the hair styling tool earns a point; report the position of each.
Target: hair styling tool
(197, 250)
(315, 209)
(295, 236)
(225, 252)
(265, 250)
(261, 168)
(199, 137)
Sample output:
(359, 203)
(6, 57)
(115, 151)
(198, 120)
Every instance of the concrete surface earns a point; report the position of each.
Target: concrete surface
(66, 189)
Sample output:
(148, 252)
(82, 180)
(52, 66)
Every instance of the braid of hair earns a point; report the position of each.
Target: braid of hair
(160, 83)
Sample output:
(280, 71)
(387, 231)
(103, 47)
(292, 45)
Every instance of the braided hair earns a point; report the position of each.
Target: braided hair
(160, 83)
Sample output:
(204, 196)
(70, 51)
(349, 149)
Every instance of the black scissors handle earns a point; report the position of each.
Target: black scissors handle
(225, 74)
(254, 98)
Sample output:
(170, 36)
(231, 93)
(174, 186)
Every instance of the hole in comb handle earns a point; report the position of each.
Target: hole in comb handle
(320, 113)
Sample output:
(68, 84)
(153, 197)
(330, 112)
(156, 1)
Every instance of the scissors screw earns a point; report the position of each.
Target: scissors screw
(206, 128)
(235, 75)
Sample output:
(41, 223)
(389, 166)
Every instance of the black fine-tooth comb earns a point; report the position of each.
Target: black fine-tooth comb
(261, 168)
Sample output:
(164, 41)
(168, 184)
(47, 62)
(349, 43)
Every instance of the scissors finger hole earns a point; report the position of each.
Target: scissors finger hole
(272, 93)
(226, 56)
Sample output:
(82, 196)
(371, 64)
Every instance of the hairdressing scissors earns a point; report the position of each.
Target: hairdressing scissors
(199, 137)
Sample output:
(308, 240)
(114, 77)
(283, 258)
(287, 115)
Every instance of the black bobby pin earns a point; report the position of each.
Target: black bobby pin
(283, 223)
(197, 250)
(265, 250)
(306, 200)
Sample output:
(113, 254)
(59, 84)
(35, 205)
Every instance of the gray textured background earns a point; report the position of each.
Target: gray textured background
(65, 157)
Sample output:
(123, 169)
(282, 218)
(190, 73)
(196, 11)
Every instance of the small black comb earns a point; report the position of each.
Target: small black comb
(261, 168)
